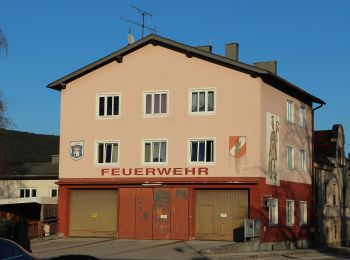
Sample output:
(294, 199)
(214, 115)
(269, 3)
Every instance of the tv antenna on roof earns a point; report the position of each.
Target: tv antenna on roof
(142, 25)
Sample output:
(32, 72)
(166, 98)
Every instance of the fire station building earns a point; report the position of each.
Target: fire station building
(160, 140)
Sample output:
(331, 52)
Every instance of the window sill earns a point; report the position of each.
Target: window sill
(155, 115)
(213, 113)
(107, 117)
(106, 164)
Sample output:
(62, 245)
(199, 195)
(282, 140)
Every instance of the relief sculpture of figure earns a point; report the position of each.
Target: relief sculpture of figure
(273, 150)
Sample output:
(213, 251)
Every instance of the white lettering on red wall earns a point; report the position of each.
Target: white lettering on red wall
(201, 171)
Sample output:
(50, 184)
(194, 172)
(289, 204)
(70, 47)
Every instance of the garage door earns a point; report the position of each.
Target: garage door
(219, 213)
(93, 213)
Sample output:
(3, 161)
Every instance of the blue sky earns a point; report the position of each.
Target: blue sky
(49, 39)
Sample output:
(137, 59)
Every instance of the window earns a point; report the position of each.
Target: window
(303, 213)
(290, 212)
(156, 103)
(108, 105)
(27, 193)
(53, 192)
(107, 152)
(334, 194)
(290, 157)
(155, 151)
(302, 160)
(290, 111)
(202, 101)
(202, 151)
(302, 117)
(273, 211)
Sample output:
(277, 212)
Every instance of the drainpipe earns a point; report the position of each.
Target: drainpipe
(314, 204)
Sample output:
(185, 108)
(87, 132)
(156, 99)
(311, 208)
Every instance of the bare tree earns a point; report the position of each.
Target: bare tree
(4, 122)
(3, 43)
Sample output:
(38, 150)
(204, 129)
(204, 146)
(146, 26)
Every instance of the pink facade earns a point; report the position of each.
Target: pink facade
(244, 105)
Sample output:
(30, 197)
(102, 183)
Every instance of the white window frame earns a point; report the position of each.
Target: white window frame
(290, 211)
(302, 116)
(97, 142)
(30, 192)
(144, 141)
(105, 95)
(290, 111)
(154, 92)
(303, 213)
(52, 189)
(273, 211)
(205, 112)
(201, 139)
(287, 160)
(302, 160)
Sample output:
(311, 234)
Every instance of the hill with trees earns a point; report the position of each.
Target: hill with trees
(23, 147)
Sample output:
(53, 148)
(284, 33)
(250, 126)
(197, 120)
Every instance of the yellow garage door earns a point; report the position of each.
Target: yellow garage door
(93, 213)
(219, 213)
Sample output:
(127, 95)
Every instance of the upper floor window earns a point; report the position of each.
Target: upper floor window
(202, 151)
(107, 152)
(290, 212)
(290, 111)
(303, 213)
(155, 151)
(302, 160)
(108, 105)
(202, 101)
(334, 194)
(290, 157)
(27, 192)
(53, 192)
(273, 211)
(302, 116)
(156, 103)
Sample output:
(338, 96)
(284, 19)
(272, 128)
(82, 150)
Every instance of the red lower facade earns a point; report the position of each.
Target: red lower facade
(166, 209)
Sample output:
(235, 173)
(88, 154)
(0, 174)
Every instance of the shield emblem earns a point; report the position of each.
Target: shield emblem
(237, 146)
(76, 150)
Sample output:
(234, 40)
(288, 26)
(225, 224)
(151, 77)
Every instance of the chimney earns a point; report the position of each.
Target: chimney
(231, 51)
(267, 65)
(207, 48)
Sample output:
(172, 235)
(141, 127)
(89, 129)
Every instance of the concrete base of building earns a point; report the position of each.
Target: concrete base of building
(253, 246)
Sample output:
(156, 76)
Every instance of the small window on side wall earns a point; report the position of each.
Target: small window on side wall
(273, 211)
(303, 213)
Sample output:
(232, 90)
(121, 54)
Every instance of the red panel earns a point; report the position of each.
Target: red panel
(127, 198)
(179, 213)
(143, 216)
(161, 213)
(63, 210)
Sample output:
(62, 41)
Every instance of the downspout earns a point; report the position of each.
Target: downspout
(314, 204)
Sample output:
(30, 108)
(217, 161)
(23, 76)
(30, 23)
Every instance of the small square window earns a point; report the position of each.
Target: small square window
(33, 193)
(54, 192)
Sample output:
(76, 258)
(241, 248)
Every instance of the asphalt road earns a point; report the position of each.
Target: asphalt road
(104, 248)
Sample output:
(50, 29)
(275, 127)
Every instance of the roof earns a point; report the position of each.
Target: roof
(30, 171)
(268, 77)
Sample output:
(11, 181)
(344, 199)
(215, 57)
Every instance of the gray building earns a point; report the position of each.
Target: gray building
(331, 188)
